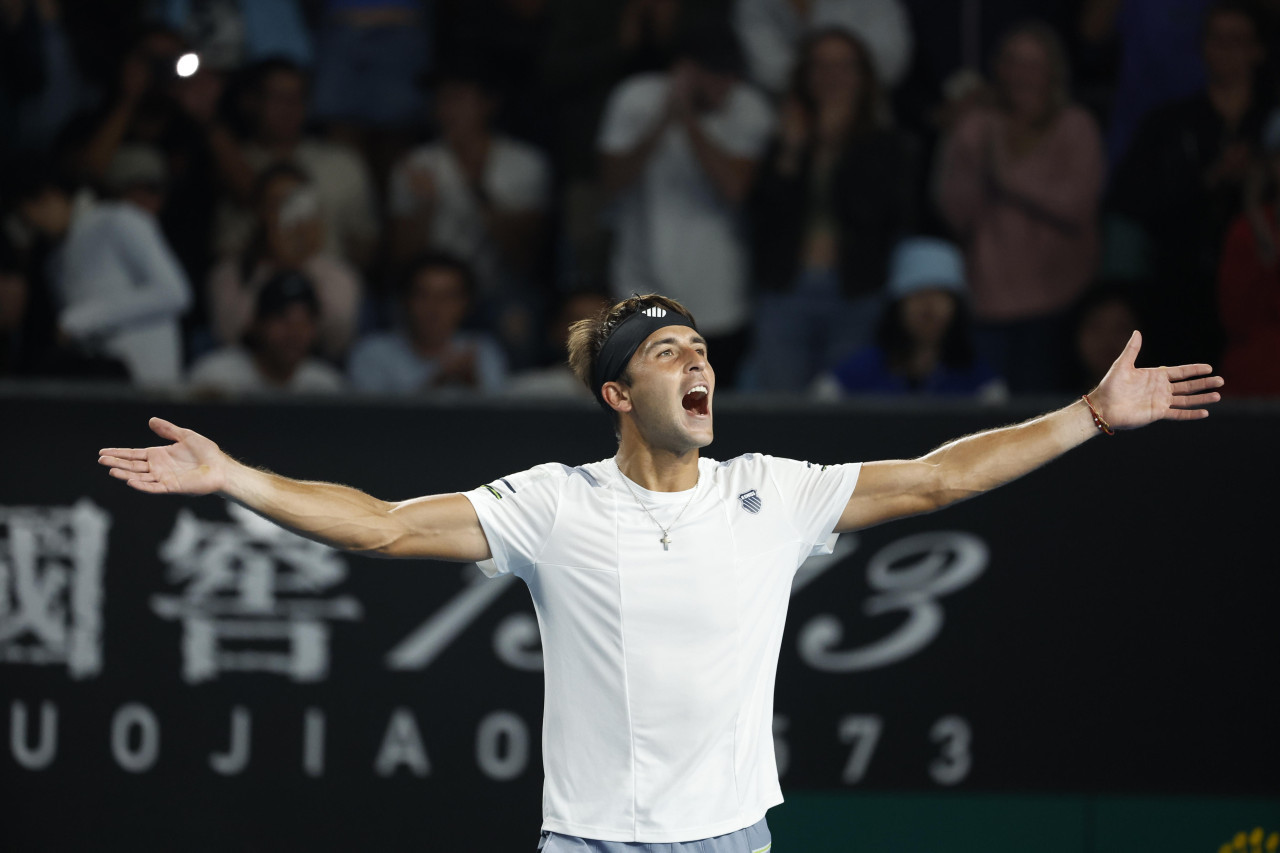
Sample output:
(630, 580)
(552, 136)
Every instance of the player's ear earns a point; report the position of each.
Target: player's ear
(617, 396)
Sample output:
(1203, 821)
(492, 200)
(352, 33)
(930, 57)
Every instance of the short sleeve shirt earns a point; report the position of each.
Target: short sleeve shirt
(675, 233)
(660, 661)
(517, 178)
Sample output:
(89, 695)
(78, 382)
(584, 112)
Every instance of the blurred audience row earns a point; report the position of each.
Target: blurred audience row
(852, 196)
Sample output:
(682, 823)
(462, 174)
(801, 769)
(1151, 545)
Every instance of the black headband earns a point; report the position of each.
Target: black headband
(626, 338)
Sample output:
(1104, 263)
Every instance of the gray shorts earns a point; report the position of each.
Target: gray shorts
(753, 839)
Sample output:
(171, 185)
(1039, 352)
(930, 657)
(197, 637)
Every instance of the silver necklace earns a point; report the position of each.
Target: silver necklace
(666, 539)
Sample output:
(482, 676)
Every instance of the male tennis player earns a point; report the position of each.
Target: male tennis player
(661, 578)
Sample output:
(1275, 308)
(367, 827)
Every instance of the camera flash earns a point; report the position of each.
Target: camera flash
(187, 64)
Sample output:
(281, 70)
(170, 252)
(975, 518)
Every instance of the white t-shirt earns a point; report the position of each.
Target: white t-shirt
(660, 664)
(675, 234)
(516, 178)
(231, 370)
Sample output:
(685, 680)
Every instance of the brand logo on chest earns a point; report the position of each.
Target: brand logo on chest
(750, 502)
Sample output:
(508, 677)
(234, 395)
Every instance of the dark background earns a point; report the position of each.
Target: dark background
(1122, 638)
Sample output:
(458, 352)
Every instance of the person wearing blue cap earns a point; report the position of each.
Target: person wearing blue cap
(661, 577)
(924, 343)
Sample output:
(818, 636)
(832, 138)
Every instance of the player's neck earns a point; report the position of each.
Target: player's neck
(658, 470)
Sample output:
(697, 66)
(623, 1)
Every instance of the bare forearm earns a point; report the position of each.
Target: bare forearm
(1128, 397)
(441, 527)
(338, 516)
(978, 463)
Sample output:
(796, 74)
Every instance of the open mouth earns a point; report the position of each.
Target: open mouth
(696, 400)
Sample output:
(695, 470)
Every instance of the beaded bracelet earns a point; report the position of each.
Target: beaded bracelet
(1097, 418)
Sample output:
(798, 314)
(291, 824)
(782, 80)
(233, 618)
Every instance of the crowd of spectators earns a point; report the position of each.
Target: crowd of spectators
(419, 197)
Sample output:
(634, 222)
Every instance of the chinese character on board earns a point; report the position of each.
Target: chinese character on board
(51, 565)
(254, 597)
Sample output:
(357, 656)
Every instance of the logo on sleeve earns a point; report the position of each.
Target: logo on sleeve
(750, 502)
(497, 494)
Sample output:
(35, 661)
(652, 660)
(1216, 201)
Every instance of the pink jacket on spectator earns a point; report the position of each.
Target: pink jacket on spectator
(1029, 222)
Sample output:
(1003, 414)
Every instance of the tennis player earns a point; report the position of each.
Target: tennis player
(661, 577)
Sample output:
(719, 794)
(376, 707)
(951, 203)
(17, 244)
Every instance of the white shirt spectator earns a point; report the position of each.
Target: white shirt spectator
(122, 291)
(386, 363)
(341, 180)
(516, 178)
(771, 32)
(675, 234)
(231, 370)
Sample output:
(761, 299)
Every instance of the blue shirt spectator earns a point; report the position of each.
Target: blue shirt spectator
(924, 343)
(430, 351)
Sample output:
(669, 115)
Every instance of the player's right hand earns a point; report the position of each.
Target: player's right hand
(192, 465)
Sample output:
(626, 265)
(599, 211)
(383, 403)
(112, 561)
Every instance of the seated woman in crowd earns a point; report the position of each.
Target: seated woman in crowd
(924, 343)
(833, 196)
(430, 351)
(288, 235)
(1020, 183)
(276, 354)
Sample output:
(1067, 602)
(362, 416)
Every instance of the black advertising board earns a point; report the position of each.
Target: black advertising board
(179, 674)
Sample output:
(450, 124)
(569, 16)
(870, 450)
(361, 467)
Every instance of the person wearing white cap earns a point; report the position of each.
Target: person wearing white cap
(924, 343)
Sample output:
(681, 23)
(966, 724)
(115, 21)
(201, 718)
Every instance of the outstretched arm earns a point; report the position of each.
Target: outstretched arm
(443, 527)
(1127, 398)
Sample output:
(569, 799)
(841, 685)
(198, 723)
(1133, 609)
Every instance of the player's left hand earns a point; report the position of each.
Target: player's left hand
(1129, 396)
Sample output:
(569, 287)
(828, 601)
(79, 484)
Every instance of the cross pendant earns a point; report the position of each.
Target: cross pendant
(665, 542)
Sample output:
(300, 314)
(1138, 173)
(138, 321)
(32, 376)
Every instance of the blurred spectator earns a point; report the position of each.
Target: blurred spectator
(430, 351)
(772, 32)
(276, 353)
(28, 348)
(137, 175)
(512, 35)
(925, 340)
(1161, 59)
(680, 152)
(1020, 184)
(1101, 323)
(371, 55)
(288, 235)
(834, 195)
(591, 47)
(1249, 288)
(477, 194)
(120, 291)
(278, 119)
(556, 380)
(1181, 183)
(40, 88)
(229, 34)
(153, 105)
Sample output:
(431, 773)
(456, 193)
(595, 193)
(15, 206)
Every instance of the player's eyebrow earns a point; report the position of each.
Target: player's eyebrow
(671, 339)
